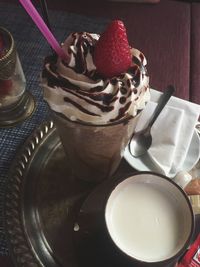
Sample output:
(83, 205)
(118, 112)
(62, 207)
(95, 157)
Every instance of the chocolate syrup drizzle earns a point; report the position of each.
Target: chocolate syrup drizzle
(100, 97)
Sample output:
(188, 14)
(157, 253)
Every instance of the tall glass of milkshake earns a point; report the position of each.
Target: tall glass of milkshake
(95, 112)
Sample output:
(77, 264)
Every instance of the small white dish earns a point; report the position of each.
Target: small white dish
(145, 163)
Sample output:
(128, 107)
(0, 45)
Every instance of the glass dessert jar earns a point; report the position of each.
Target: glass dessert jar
(95, 115)
(15, 103)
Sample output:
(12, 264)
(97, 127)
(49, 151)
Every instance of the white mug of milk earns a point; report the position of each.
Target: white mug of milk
(149, 219)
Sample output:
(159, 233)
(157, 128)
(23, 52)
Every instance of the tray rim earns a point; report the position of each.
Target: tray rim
(15, 234)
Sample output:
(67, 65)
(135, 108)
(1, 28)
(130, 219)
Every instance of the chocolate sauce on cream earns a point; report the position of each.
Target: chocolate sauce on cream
(77, 90)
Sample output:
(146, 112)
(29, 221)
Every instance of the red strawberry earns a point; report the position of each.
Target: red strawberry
(5, 87)
(112, 54)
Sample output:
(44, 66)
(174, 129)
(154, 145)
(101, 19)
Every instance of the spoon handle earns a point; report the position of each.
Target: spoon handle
(162, 102)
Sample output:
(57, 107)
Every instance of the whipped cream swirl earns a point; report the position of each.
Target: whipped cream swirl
(78, 92)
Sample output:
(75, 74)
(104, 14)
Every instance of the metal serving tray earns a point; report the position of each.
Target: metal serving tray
(43, 203)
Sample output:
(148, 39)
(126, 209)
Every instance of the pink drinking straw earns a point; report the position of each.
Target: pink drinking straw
(28, 6)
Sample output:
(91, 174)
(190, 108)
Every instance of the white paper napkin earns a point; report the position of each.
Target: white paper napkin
(172, 132)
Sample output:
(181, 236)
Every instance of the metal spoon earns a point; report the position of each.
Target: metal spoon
(142, 140)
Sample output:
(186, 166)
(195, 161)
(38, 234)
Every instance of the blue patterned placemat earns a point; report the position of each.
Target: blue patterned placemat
(32, 48)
